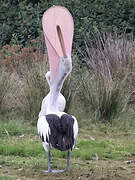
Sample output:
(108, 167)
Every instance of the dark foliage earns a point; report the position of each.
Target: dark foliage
(20, 21)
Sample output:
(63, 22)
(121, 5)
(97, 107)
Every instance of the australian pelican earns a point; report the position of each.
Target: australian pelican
(57, 129)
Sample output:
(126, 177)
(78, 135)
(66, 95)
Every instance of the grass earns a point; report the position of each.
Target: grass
(86, 149)
(22, 154)
(15, 128)
(21, 139)
(4, 177)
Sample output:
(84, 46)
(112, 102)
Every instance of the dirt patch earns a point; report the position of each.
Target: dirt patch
(93, 170)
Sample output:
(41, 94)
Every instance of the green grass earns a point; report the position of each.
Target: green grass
(13, 144)
(26, 152)
(4, 177)
(15, 128)
(86, 149)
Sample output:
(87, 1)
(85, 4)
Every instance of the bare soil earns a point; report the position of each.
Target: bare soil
(83, 170)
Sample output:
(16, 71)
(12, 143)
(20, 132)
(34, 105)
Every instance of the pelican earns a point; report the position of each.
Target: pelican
(58, 129)
(61, 99)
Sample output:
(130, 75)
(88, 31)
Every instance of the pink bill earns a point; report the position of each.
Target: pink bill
(54, 17)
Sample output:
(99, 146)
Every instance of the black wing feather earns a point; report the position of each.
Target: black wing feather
(62, 135)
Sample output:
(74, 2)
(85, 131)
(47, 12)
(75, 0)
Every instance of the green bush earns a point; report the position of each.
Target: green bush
(21, 20)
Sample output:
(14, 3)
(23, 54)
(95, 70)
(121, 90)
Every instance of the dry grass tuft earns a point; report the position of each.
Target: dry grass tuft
(110, 65)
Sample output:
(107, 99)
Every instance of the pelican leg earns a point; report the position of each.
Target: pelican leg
(48, 158)
(68, 160)
(49, 165)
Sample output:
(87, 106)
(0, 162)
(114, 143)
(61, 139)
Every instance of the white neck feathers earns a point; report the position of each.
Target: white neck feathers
(63, 70)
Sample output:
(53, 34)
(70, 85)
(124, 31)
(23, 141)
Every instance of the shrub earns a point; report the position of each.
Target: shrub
(5, 85)
(21, 20)
(28, 66)
(103, 99)
(110, 64)
(35, 89)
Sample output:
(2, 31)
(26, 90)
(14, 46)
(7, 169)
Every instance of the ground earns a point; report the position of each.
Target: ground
(95, 170)
(102, 153)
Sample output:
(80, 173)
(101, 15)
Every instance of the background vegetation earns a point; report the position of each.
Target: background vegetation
(100, 91)
(101, 83)
(20, 21)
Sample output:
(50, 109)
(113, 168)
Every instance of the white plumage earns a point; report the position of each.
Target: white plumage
(46, 100)
(43, 130)
(75, 129)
